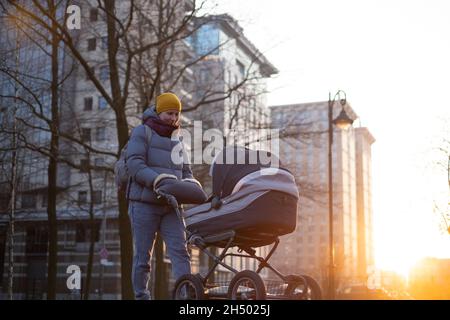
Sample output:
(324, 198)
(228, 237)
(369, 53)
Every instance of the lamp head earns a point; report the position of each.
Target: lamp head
(343, 121)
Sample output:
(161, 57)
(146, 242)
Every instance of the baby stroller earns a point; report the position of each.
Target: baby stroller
(252, 204)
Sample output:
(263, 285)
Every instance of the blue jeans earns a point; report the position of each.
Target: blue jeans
(146, 220)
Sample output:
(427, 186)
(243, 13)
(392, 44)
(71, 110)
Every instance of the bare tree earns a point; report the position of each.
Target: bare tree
(91, 229)
(11, 147)
(10, 178)
(33, 100)
(52, 41)
(94, 197)
(443, 167)
(13, 186)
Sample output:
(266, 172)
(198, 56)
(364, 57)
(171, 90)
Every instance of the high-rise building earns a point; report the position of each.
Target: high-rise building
(304, 150)
(363, 158)
(231, 67)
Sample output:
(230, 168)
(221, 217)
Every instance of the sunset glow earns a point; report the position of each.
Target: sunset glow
(398, 88)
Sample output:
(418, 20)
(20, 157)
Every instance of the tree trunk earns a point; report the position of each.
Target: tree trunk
(91, 228)
(161, 281)
(87, 287)
(126, 245)
(52, 228)
(126, 248)
(53, 167)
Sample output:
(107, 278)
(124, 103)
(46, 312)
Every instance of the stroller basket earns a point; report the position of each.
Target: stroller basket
(220, 289)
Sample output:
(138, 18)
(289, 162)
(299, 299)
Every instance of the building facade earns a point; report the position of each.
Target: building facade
(363, 158)
(304, 150)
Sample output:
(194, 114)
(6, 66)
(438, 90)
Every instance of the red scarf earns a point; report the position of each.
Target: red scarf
(162, 128)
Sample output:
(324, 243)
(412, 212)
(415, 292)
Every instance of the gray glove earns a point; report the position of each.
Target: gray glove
(192, 180)
(162, 179)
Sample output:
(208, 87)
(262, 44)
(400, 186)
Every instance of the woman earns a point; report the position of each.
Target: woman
(150, 166)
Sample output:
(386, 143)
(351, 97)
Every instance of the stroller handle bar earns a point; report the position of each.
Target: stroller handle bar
(172, 201)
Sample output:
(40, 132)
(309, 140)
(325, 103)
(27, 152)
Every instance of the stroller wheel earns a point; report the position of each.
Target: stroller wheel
(297, 289)
(247, 285)
(189, 287)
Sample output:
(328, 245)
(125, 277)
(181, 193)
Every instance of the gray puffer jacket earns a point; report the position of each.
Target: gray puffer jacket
(145, 162)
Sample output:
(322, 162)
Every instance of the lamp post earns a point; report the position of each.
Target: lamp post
(343, 121)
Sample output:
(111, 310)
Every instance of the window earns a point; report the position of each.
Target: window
(204, 75)
(36, 239)
(28, 201)
(102, 104)
(84, 165)
(44, 199)
(4, 201)
(80, 234)
(97, 197)
(241, 68)
(100, 134)
(99, 162)
(26, 181)
(84, 230)
(93, 15)
(86, 134)
(88, 104)
(104, 73)
(206, 40)
(186, 83)
(104, 43)
(82, 197)
(92, 44)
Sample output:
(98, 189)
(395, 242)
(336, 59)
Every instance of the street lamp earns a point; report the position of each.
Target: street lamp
(343, 121)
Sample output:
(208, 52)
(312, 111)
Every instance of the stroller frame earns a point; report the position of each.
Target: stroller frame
(307, 284)
(229, 237)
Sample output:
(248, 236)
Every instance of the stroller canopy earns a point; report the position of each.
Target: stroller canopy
(234, 163)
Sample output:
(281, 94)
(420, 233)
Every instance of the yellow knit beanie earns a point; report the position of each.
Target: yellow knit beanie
(167, 101)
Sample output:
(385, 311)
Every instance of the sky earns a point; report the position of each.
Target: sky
(392, 58)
